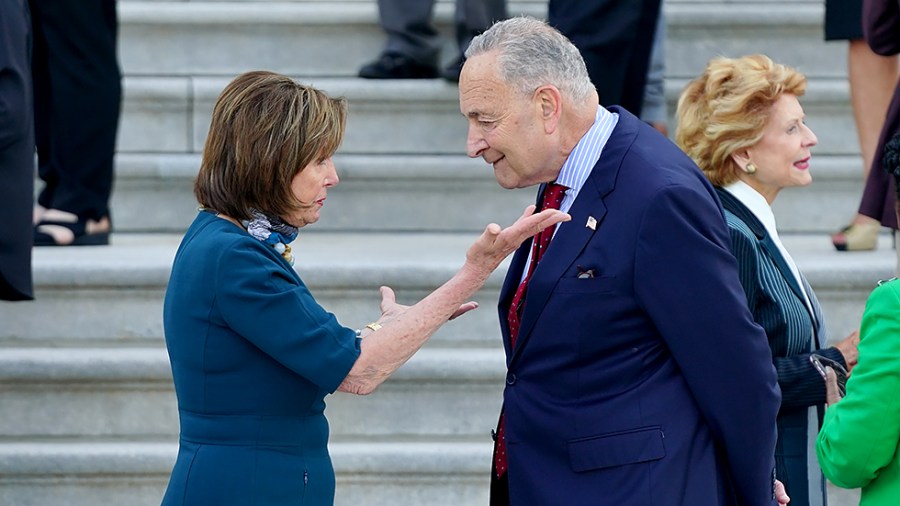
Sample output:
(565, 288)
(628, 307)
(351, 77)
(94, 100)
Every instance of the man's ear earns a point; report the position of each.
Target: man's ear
(549, 100)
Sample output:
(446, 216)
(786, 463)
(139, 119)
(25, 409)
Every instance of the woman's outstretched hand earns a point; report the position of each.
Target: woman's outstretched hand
(497, 243)
(390, 308)
(407, 328)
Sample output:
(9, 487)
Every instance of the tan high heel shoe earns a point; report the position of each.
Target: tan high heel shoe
(857, 237)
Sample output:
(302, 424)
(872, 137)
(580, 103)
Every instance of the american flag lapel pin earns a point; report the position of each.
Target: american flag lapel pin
(591, 223)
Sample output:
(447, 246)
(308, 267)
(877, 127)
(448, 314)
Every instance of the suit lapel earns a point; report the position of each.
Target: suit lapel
(732, 204)
(512, 280)
(818, 330)
(572, 236)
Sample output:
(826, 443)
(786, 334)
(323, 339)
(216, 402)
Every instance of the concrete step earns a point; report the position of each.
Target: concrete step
(87, 411)
(112, 295)
(127, 394)
(166, 113)
(177, 56)
(432, 194)
(171, 114)
(311, 38)
(391, 193)
(388, 117)
(405, 143)
(111, 473)
(321, 38)
(135, 473)
(789, 32)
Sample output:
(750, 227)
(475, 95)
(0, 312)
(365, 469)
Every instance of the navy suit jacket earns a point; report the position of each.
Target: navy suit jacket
(647, 383)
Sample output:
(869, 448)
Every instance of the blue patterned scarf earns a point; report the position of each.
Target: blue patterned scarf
(273, 231)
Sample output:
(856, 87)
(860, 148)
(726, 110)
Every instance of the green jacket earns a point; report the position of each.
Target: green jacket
(858, 443)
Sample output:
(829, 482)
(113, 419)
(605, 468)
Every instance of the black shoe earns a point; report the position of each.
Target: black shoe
(452, 71)
(397, 66)
(77, 231)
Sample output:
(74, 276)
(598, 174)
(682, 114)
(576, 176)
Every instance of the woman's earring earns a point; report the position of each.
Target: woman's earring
(751, 169)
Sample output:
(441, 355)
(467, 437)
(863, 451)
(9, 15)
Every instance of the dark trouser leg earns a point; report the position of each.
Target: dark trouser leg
(410, 30)
(77, 101)
(615, 38)
(475, 16)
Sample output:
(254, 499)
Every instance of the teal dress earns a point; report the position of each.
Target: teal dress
(253, 357)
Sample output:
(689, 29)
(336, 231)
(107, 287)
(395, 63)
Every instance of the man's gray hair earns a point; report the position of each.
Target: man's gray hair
(533, 54)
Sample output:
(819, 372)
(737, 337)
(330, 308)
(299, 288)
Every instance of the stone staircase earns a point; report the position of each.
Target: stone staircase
(87, 411)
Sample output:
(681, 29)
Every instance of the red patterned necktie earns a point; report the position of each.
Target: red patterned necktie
(553, 197)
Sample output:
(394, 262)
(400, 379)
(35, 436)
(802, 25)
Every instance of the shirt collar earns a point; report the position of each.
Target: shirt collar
(584, 156)
(756, 203)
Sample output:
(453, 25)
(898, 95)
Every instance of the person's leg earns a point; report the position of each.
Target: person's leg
(615, 38)
(636, 76)
(475, 16)
(413, 44)
(42, 120)
(655, 110)
(78, 111)
(872, 79)
(471, 18)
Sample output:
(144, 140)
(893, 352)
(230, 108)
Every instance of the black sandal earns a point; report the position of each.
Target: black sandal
(78, 229)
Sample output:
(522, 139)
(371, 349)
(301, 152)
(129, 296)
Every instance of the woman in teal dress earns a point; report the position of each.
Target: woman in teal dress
(253, 354)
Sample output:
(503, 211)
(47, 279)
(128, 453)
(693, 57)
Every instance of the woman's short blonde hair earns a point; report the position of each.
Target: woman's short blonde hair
(265, 129)
(726, 109)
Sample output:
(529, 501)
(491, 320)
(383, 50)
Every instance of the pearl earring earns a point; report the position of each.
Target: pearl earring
(751, 169)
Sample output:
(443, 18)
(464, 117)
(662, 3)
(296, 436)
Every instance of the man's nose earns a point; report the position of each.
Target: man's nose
(475, 144)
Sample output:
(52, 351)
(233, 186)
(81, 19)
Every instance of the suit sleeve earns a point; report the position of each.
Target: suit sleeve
(686, 279)
(860, 434)
(881, 25)
(262, 302)
(800, 383)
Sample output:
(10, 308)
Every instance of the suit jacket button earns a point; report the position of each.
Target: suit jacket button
(510, 379)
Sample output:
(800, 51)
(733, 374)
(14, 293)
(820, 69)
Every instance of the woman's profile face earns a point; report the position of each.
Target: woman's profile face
(310, 187)
(782, 156)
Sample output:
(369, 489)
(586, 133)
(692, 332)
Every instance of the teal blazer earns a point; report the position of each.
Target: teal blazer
(860, 438)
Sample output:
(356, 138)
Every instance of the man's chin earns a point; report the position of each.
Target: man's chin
(503, 181)
(510, 183)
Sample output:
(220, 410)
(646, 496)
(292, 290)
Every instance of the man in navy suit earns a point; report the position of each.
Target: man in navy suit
(636, 375)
